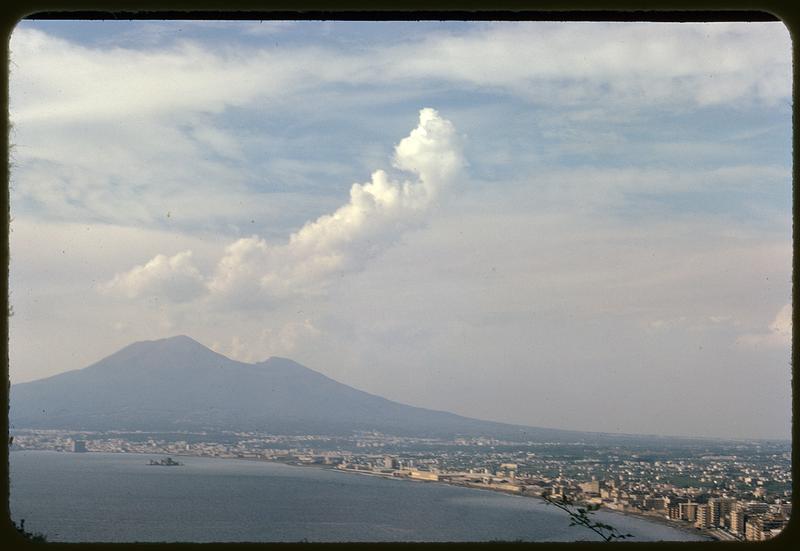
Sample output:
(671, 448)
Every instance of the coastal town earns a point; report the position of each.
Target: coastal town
(725, 490)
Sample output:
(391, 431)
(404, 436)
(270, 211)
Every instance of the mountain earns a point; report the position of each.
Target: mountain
(178, 384)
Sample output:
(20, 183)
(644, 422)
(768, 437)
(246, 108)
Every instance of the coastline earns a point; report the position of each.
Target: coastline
(687, 529)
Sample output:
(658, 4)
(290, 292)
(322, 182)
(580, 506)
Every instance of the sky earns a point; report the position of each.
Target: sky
(570, 225)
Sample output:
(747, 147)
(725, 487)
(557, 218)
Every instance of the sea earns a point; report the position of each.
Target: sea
(117, 497)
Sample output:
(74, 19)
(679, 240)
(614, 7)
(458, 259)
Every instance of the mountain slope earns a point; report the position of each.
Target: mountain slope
(178, 384)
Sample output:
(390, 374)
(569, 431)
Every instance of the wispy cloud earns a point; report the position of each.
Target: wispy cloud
(145, 107)
(639, 64)
(633, 64)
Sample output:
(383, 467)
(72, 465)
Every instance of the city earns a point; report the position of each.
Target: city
(726, 490)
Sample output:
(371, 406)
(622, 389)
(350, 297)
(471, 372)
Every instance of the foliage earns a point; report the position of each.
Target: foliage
(32, 536)
(579, 516)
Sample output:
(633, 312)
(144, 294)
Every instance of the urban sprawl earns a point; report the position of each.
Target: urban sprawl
(737, 490)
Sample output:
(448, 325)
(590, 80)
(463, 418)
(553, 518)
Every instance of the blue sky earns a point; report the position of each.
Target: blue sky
(605, 207)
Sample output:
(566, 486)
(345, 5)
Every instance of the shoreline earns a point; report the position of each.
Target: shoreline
(687, 529)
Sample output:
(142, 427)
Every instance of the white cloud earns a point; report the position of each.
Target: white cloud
(97, 126)
(782, 324)
(281, 339)
(639, 63)
(376, 215)
(173, 277)
(378, 212)
(777, 335)
(58, 81)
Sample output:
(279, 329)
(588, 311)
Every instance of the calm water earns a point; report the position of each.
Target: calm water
(118, 497)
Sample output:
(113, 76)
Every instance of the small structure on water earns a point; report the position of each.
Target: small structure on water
(167, 462)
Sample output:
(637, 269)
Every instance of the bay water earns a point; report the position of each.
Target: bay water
(106, 497)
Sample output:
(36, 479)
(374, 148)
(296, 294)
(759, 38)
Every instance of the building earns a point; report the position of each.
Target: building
(714, 512)
(688, 511)
(756, 507)
(652, 503)
(703, 516)
(424, 475)
(751, 533)
(79, 446)
(737, 521)
(763, 527)
(590, 488)
(725, 506)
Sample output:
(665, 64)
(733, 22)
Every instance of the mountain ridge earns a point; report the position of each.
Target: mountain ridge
(177, 383)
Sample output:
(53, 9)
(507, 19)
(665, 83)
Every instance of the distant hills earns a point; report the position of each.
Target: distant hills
(177, 384)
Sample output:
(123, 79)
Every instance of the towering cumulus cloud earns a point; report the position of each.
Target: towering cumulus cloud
(252, 271)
